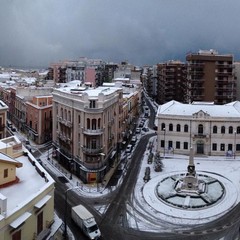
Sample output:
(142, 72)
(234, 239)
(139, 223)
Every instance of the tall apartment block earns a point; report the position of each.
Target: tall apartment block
(237, 77)
(108, 73)
(87, 129)
(149, 80)
(171, 82)
(210, 77)
(67, 71)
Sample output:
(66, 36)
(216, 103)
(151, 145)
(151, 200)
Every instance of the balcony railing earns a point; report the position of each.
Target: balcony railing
(200, 135)
(88, 150)
(65, 122)
(93, 131)
(64, 137)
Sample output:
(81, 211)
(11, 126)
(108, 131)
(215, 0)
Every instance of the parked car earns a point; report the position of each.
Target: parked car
(134, 139)
(138, 130)
(129, 148)
(146, 114)
(145, 129)
(13, 129)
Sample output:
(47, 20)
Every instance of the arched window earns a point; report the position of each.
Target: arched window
(214, 129)
(222, 129)
(88, 123)
(200, 129)
(69, 116)
(230, 130)
(65, 114)
(99, 123)
(238, 130)
(94, 124)
(61, 113)
(170, 127)
(185, 128)
(178, 128)
(162, 126)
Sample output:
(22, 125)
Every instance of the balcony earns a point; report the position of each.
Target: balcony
(195, 87)
(225, 81)
(93, 110)
(65, 122)
(92, 151)
(64, 137)
(200, 135)
(93, 131)
(224, 74)
(197, 79)
(224, 65)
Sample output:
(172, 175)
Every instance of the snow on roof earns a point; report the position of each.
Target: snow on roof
(76, 87)
(29, 79)
(20, 220)
(30, 185)
(122, 79)
(6, 159)
(176, 108)
(5, 75)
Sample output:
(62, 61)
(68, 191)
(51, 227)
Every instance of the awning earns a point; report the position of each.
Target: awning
(42, 202)
(16, 223)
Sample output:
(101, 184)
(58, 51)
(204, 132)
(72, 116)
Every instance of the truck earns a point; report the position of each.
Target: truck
(85, 221)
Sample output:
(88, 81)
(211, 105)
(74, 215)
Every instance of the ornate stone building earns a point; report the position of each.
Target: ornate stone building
(87, 129)
(208, 128)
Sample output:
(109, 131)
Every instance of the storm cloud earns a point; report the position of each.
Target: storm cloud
(36, 33)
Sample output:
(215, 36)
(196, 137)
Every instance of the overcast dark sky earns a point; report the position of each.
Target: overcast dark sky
(38, 32)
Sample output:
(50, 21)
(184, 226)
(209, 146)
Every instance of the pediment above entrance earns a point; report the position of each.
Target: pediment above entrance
(201, 114)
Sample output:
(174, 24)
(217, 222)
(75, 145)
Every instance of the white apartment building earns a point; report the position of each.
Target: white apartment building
(87, 128)
(208, 128)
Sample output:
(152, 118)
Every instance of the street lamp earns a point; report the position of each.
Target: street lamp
(48, 154)
(65, 235)
(234, 145)
(71, 169)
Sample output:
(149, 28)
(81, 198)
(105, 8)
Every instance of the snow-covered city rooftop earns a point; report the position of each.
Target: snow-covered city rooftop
(29, 185)
(177, 108)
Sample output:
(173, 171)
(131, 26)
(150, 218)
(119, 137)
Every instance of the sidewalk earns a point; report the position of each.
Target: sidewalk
(73, 181)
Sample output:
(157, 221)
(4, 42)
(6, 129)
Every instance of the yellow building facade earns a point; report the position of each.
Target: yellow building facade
(27, 194)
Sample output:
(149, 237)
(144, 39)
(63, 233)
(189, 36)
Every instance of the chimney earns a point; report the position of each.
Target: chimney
(3, 204)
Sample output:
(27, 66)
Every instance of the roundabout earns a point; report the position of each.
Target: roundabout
(190, 198)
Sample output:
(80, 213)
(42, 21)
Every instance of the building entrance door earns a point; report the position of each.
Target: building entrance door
(200, 147)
